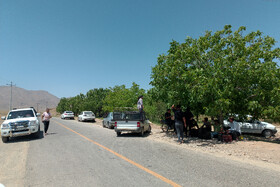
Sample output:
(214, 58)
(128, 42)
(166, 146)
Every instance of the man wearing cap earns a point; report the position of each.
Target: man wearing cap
(140, 106)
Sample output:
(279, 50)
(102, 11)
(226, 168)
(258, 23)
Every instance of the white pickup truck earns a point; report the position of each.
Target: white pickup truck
(20, 122)
(131, 122)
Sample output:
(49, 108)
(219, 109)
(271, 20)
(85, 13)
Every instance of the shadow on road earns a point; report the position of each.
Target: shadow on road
(25, 138)
(129, 135)
(273, 139)
(88, 121)
(50, 133)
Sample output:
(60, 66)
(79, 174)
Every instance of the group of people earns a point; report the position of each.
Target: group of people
(219, 130)
(183, 122)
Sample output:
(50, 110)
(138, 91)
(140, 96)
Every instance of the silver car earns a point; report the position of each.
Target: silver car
(254, 126)
(108, 120)
(67, 114)
(86, 116)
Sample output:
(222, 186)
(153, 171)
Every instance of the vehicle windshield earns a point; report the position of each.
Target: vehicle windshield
(70, 112)
(88, 113)
(20, 114)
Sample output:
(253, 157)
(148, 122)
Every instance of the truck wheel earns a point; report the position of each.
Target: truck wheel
(119, 133)
(37, 134)
(267, 133)
(149, 129)
(5, 139)
(109, 126)
(103, 124)
(142, 132)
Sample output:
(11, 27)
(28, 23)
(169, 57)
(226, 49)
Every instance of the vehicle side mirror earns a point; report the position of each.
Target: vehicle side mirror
(3, 117)
(38, 114)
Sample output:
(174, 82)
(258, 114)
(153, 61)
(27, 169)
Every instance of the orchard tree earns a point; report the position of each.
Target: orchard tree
(95, 99)
(121, 97)
(222, 72)
(76, 104)
(62, 105)
(153, 107)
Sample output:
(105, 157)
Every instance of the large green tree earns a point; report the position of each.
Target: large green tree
(95, 99)
(121, 98)
(222, 72)
(92, 101)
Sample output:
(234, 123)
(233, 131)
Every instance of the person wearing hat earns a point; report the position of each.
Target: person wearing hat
(140, 106)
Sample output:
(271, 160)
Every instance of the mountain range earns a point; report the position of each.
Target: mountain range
(22, 98)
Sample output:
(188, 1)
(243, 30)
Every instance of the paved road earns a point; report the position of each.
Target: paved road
(84, 154)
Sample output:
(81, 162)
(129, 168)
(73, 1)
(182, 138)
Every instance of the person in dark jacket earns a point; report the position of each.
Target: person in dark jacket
(180, 122)
(168, 120)
(205, 129)
(188, 115)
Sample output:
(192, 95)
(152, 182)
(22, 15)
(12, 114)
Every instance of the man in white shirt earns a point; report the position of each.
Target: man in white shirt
(140, 106)
(234, 130)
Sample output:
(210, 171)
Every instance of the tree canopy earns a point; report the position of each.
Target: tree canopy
(93, 101)
(219, 73)
(222, 72)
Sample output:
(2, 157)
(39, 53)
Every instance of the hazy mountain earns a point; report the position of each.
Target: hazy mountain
(26, 98)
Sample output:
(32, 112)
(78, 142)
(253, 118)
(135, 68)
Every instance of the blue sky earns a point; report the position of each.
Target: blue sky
(67, 47)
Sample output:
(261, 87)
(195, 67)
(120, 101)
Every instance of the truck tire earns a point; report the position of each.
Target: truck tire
(119, 133)
(36, 134)
(109, 126)
(149, 129)
(267, 133)
(103, 124)
(5, 139)
(142, 132)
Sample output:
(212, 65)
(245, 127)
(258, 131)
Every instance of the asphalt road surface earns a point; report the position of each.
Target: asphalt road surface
(85, 154)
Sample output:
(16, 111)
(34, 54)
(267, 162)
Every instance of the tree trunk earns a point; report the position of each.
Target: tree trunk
(221, 118)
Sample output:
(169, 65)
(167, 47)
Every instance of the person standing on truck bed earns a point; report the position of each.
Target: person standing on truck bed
(140, 106)
(180, 122)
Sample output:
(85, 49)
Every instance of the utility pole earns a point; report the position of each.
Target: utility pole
(11, 101)
(37, 107)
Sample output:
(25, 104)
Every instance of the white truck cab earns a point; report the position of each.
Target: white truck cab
(20, 122)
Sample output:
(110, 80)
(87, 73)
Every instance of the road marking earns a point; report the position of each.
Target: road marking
(124, 158)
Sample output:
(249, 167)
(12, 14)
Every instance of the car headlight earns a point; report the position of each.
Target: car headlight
(32, 123)
(5, 126)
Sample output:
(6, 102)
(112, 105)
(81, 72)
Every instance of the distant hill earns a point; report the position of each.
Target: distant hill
(26, 98)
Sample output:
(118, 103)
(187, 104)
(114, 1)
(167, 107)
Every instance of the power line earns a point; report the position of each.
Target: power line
(11, 101)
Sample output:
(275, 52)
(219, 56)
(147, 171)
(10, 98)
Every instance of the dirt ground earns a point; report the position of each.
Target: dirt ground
(254, 150)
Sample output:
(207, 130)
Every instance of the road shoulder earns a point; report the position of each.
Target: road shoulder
(13, 159)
